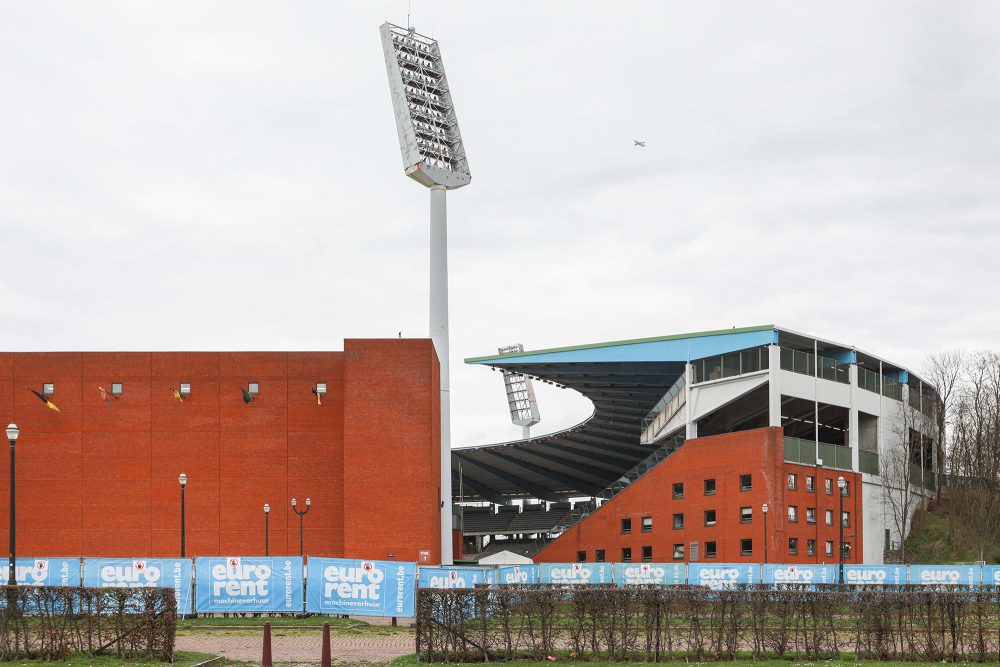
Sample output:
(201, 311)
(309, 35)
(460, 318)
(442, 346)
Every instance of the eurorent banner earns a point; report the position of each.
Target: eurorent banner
(875, 575)
(718, 576)
(238, 583)
(365, 587)
(517, 574)
(635, 574)
(454, 577)
(575, 573)
(945, 575)
(44, 571)
(799, 575)
(142, 572)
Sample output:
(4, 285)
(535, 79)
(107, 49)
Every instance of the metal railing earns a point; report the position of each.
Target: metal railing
(806, 363)
(868, 462)
(799, 450)
(664, 410)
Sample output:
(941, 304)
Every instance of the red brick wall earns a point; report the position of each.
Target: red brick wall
(724, 458)
(95, 480)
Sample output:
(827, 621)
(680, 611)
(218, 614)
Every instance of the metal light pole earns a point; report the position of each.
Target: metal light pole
(841, 485)
(12, 433)
(267, 532)
(301, 514)
(183, 480)
(763, 508)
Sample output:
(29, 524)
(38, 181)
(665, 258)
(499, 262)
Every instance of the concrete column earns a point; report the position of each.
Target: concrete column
(439, 334)
(853, 438)
(774, 385)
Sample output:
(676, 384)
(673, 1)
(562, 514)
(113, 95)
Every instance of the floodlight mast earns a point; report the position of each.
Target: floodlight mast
(520, 395)
(434, 156)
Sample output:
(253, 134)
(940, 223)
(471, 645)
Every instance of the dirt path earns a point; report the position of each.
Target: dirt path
(299, 647)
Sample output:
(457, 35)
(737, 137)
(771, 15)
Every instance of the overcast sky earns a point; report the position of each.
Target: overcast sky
(226, 176)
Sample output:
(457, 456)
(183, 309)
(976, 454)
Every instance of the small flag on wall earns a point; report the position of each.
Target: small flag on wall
(105, 396)
(247, 396)
(44, 399)
(319, 397)
(177, 394)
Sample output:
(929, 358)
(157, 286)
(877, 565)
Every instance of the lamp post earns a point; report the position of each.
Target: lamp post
(763, 508)
(183, 480)
(301, 514)
(267, 533)
(841, 485)
(12, 433)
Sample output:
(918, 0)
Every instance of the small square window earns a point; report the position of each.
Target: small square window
(626, 554)
(647, 524)
(828, 486)
(793, 513)
(793, 481)
(320, 388)
(829, 548)
(116, 388)
(678, 489)
(810, 547)
(678, 552)
(581, 556)
(829, 517)
(810, 515)
(647, 554)
(185, 389)
(793, 546)
(626, 526)
(253, 388)
(746, 514)
(709, 549)
(846, 491)
(746, 482)
(845, 519)
(709, 487)
(746, 547)
(599, 555)
(811, 484)
(678, 521)
(709, 517)
(48, 388)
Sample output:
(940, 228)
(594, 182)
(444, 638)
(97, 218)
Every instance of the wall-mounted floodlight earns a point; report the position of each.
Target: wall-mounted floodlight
(434, 156)
(520, 395)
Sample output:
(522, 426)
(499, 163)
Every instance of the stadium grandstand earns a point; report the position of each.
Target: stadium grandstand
(692, 438)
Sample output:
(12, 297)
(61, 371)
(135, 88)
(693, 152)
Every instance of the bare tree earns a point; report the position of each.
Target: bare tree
(896, 472)
(943, 369)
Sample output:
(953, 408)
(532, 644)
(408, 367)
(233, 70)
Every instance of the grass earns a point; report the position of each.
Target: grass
(276, 622)
(181, 659)
(411, 661)
(929, 541)
(284, 626)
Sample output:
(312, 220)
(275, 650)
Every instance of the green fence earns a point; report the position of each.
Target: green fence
(868, 462)
(798, 450)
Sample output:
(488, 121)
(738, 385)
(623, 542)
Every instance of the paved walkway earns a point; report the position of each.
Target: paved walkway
(301, 648)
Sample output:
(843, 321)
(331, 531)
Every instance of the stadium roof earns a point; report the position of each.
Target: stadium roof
(623, 380)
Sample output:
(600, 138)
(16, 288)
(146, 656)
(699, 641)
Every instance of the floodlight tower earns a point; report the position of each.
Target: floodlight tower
(433, 155)
(520, 395)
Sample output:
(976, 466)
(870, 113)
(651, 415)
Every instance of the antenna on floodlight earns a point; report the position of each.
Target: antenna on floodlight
(434, 156)
(520, 395)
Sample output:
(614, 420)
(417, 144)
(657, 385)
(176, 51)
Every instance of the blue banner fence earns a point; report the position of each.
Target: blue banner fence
(249, 584)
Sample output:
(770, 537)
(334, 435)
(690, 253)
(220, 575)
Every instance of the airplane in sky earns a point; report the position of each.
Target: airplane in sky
(640, 144)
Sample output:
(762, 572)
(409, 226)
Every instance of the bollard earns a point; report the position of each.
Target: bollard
(325, 659)
(265, 660)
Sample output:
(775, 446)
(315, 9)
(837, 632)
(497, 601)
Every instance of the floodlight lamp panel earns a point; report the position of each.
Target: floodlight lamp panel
(429, 139)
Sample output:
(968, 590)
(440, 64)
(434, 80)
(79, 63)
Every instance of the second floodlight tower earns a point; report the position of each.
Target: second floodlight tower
(433, 155)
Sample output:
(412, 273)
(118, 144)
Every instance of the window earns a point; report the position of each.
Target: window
(746, 515)
(678, 551)
(810, 515)
(647, 524)
(116, 388)
(678, 521)
(48, 388)
(793, 513)
(829, 548)
(599, 555)
(709, 517)
(626, 555)
(829, 517)
(811, 547)
(810, 484)
(845, 519)
(678, 489)
(320, 388)
(846, 491)
(746, 547)
(647, 554)
(626, 526)
(793, 546)
(793, 481)
(253, 388)
(581, 556)
(709, 487)
(746, 482)
(709, 549)
(185, 389)
(828, 486)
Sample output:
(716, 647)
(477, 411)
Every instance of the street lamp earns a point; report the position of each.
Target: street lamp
(267, 534)
(841, 484)
(12, 433)
(763, 508)
(301, 514)
(183, 480)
